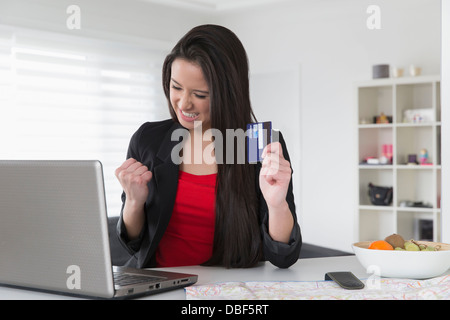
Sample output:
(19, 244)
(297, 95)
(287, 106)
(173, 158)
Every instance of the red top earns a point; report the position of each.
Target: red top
(188, 239)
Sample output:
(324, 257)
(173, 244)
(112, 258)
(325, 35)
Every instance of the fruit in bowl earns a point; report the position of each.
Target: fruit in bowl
(395, 241)
(415, 260)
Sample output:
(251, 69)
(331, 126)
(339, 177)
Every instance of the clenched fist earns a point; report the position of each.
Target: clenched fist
(134, 177)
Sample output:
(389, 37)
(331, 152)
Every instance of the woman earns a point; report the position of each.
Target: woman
(206, 212)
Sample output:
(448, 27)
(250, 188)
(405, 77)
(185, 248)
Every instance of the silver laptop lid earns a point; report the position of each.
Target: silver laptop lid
(42, 206)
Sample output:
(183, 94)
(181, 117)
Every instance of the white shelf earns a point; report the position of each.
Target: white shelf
(415, 125)
(375, 125)
(376, 166)
(398, 167)
(372, 208)
(376, 208)
(410, 182)
(418, 209)
(402, 124)
(416, 167)
(398, 81)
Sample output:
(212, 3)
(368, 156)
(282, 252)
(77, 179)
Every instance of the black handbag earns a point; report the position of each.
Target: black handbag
(380, 196)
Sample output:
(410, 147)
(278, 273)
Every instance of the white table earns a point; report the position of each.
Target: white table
(304, 269)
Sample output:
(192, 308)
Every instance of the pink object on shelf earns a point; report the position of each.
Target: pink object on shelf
(387, 151)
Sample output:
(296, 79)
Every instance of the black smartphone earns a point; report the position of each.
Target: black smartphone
(345, 279)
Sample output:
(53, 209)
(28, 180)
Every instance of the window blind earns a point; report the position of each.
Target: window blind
(68, 97)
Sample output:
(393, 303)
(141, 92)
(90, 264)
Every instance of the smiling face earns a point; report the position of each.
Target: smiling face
(189, 94)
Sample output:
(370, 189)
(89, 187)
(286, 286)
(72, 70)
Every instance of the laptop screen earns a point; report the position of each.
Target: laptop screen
(53, 228)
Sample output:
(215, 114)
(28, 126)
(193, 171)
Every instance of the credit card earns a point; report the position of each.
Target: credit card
(259, 135)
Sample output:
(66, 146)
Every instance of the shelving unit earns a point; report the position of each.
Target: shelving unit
(413, 183)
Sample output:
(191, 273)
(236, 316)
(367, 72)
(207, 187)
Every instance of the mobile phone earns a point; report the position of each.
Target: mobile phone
(259, 135)
(345, 279)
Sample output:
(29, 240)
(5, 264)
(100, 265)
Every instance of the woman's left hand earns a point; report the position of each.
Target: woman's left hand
(274, 176)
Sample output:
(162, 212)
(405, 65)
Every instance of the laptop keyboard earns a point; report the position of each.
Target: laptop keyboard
(126, 279)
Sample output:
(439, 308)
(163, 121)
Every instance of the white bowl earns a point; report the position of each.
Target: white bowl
(404, 264)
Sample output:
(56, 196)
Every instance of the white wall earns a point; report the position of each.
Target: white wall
(445, 121)
(334, 47)
(282, 109)
(327, 40)
(127, 20)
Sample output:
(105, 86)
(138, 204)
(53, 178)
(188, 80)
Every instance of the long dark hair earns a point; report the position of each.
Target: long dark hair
(224, 62)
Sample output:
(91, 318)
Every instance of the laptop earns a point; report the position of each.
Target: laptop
(54, 233)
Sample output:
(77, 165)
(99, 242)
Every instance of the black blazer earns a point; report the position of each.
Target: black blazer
(151, 145)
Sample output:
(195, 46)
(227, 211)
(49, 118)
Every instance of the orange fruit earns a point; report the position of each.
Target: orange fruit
(381, 245)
